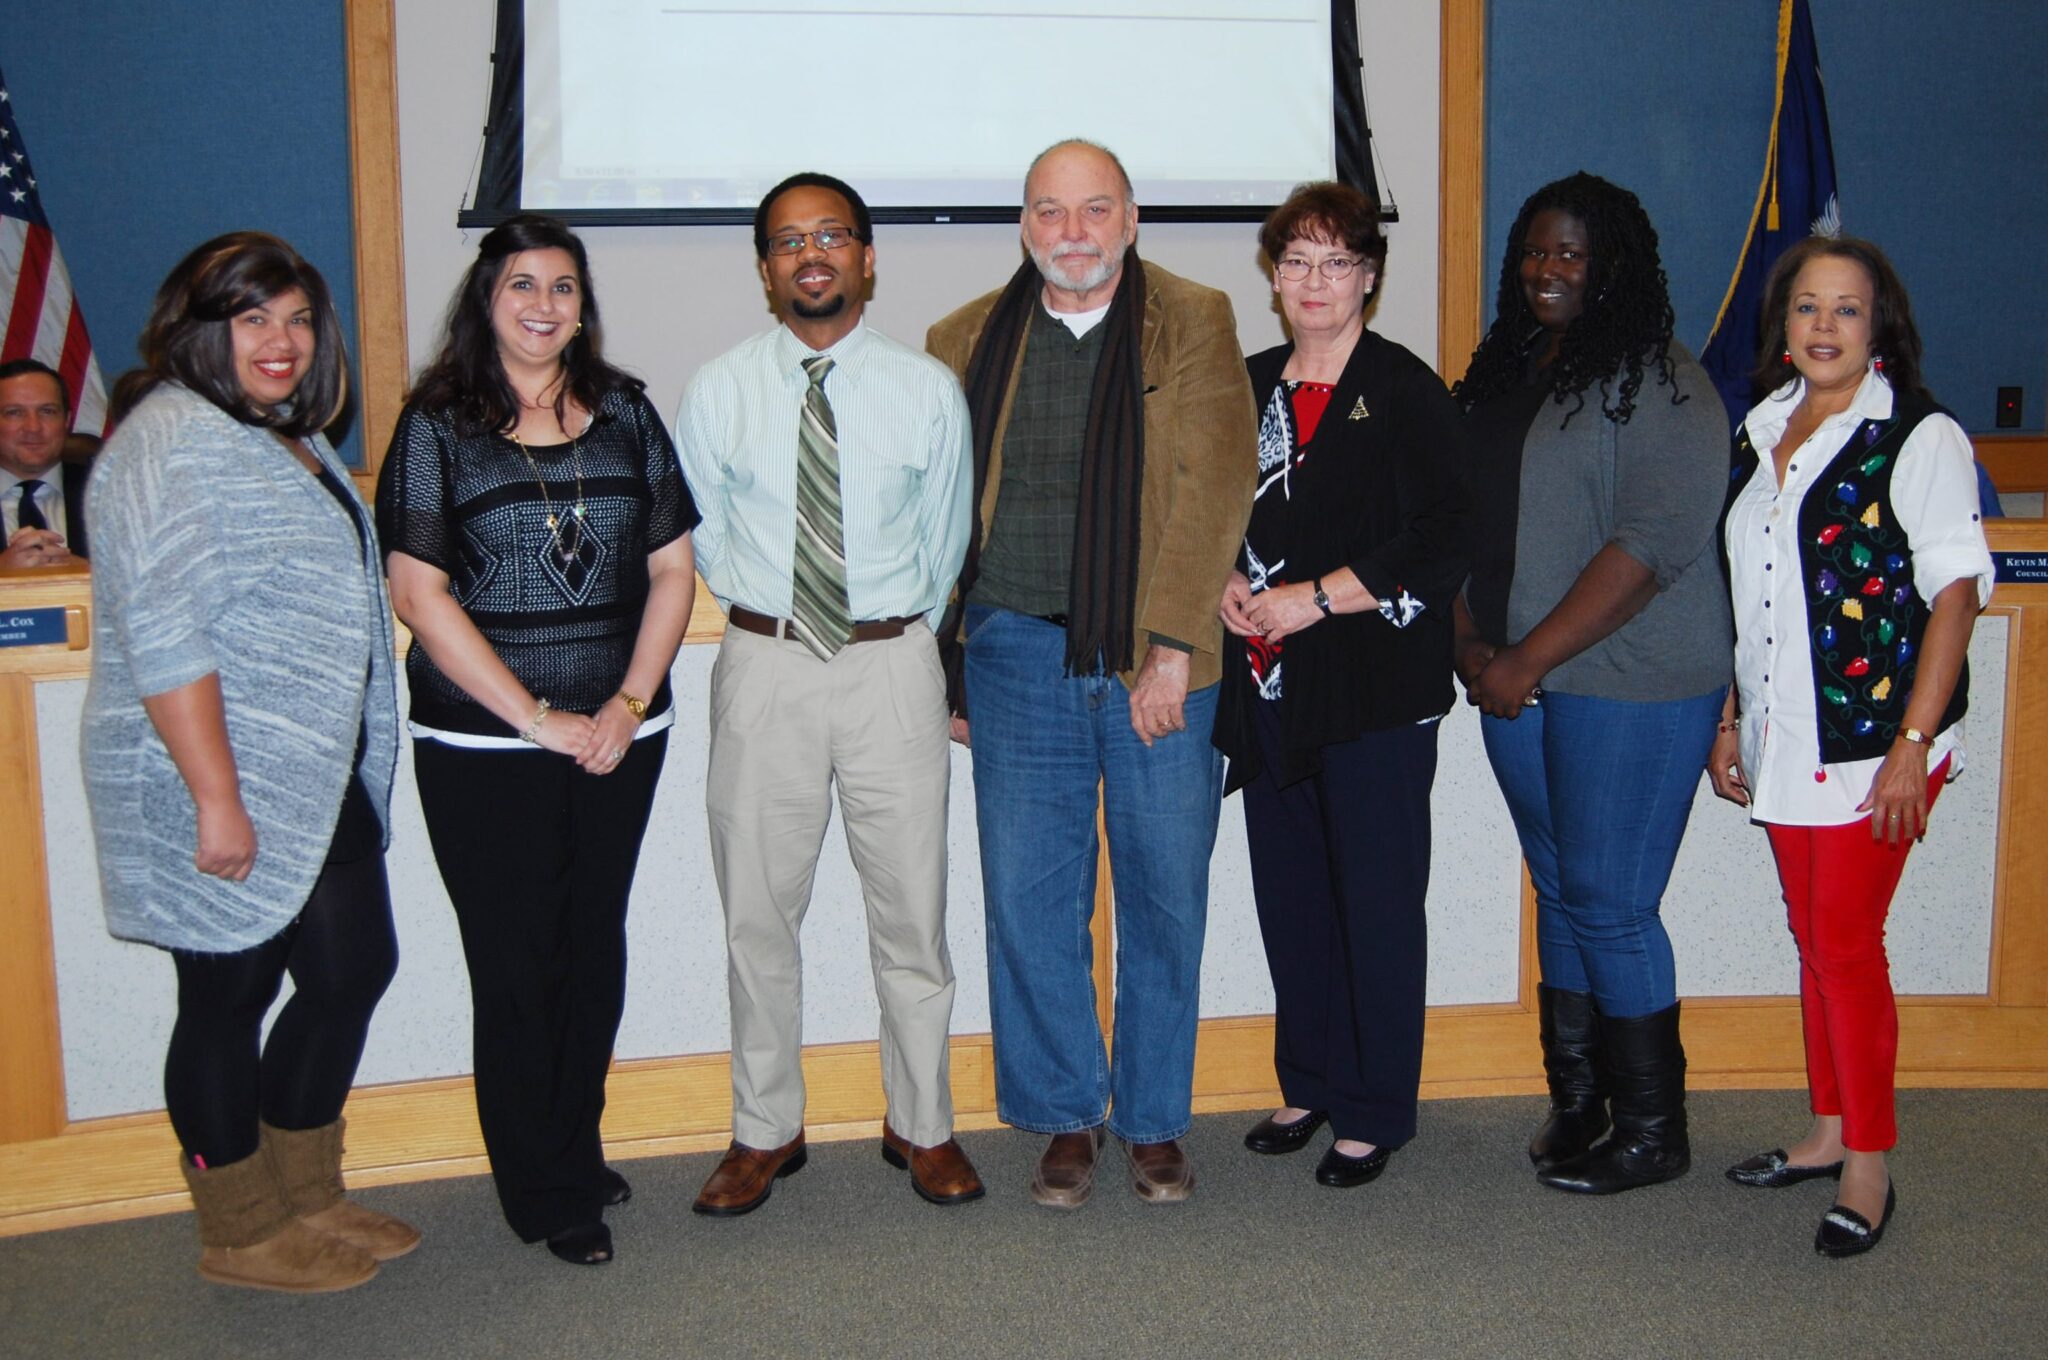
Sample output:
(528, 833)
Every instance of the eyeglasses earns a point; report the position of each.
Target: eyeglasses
(1294, 269)
(825, 238)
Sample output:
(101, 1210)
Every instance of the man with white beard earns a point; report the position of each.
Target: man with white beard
(1115, 457)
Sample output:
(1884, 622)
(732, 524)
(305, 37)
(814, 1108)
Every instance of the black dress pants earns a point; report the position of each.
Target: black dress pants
(1340, 871)
(538, 859)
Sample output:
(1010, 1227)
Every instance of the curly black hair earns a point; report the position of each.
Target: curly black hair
(1627, 322)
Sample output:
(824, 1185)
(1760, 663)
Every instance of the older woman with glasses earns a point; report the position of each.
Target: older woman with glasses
(1340, 611)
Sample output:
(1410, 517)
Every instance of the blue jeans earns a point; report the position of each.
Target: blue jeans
(1600, 790)
(1043, 741)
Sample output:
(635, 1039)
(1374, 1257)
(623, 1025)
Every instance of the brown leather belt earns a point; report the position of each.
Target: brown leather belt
(767, 625)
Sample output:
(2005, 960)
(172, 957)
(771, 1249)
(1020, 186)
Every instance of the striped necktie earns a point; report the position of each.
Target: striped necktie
(30, 515)
(818, 583)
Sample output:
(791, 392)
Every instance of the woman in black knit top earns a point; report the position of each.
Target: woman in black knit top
(1336, 675)
(536, 528)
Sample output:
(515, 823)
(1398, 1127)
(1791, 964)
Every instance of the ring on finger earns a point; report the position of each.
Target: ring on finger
(618, 754)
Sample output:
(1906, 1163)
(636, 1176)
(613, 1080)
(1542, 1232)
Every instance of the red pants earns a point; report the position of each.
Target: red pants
(1838, 889)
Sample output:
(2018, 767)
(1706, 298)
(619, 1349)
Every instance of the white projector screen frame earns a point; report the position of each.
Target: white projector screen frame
(661, 111)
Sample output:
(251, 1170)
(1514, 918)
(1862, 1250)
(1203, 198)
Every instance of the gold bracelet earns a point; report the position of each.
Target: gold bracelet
(636, 707)
(531, 735)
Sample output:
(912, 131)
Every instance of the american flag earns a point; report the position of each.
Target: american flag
(43, 319)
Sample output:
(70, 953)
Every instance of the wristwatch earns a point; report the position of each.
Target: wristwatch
(1916, 736)
(1322, 600)
(636, 707)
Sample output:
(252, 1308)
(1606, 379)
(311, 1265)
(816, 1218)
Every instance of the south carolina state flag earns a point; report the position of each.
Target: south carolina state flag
(1796, 199)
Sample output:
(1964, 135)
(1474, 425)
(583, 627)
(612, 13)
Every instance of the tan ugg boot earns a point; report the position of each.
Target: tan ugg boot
(248, 1237)
(308, 1165)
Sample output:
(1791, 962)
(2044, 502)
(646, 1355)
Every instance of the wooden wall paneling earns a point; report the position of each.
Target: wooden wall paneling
(2016, 462)
(31, 1051)
(1461, 160)
(2019, 939)
(381, 355)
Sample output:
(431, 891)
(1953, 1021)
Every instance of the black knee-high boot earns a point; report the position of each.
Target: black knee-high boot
(1578, 1099)
(1645, 1067)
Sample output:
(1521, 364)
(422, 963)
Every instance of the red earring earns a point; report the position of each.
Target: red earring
(1878, 363)
(1788, 357)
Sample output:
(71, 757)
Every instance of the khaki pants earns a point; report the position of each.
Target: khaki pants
(785, 727)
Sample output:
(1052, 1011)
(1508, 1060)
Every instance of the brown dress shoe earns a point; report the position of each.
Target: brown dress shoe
(745, 1176)
(1160, 1172)
(1066, 1171)
(941, 1174)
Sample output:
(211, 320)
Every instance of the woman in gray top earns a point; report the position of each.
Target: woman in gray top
(1594, 635)
(239, 736)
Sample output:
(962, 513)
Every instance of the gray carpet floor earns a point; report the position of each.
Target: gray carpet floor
(1456, 1251)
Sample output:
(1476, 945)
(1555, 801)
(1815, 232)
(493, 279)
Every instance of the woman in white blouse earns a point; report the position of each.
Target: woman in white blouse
(1857, 567)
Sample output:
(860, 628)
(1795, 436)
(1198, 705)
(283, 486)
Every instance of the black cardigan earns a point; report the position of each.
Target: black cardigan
(1382, 492)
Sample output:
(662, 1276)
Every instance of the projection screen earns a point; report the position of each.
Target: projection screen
(648, 111)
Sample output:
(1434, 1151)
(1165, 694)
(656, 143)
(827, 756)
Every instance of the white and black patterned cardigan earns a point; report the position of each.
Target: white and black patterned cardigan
(214, 551)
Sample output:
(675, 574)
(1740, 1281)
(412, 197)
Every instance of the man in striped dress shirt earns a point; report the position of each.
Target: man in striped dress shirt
(830, 464)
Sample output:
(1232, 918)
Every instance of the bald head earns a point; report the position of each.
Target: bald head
(1079, 218)
(1083, 151)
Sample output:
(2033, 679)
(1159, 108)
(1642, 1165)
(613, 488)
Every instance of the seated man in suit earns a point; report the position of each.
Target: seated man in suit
(42, 509)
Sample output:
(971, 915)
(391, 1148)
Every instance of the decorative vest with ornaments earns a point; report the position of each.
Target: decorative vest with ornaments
(1864, 618)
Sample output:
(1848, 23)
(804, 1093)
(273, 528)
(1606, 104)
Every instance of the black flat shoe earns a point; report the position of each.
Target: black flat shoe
(1844, 1232)
(616, 1190)
(1272, 1138)
(1343, 1172)
(1770, 1171)
(586, 1244)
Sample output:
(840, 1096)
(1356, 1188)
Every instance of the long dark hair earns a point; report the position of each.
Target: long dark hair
(467, 377)
(1893, 337)
(188, 338)
(1625, 327)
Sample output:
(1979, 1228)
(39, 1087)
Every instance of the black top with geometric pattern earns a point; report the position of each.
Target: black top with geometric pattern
(560, 606)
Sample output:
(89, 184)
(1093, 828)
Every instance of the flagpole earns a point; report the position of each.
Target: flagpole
(1767, 188)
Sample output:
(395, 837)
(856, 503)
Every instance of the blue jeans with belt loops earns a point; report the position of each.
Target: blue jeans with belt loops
(1600, 791)
(1043, 741)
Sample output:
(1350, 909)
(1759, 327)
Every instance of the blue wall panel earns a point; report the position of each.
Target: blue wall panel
(155, 126)
(1940, 122)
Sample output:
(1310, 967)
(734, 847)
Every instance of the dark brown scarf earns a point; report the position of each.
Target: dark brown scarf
(1102, 592)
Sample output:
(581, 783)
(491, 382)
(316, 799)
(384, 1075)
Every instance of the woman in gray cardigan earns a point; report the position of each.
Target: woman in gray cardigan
(1594, 635)
(239, 736)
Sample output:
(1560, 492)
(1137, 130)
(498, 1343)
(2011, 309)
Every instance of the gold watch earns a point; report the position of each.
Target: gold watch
(1916, 736)
(636, 707)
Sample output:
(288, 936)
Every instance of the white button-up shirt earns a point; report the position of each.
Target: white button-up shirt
(1933, 496)
(905, 460)
(49, 500)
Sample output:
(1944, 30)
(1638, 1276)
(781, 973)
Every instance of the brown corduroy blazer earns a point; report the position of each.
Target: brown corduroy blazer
(1201, 457)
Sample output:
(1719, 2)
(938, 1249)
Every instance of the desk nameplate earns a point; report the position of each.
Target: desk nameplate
(55, 626)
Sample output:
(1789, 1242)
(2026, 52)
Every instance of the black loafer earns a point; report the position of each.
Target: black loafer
(1770, 1171)
(1344, 1172)
(586, 1244)
(1844, 1232)
(1273, 1138)
(616, 1190)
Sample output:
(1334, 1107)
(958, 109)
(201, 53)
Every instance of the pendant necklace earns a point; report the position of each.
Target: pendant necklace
(571, 551)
